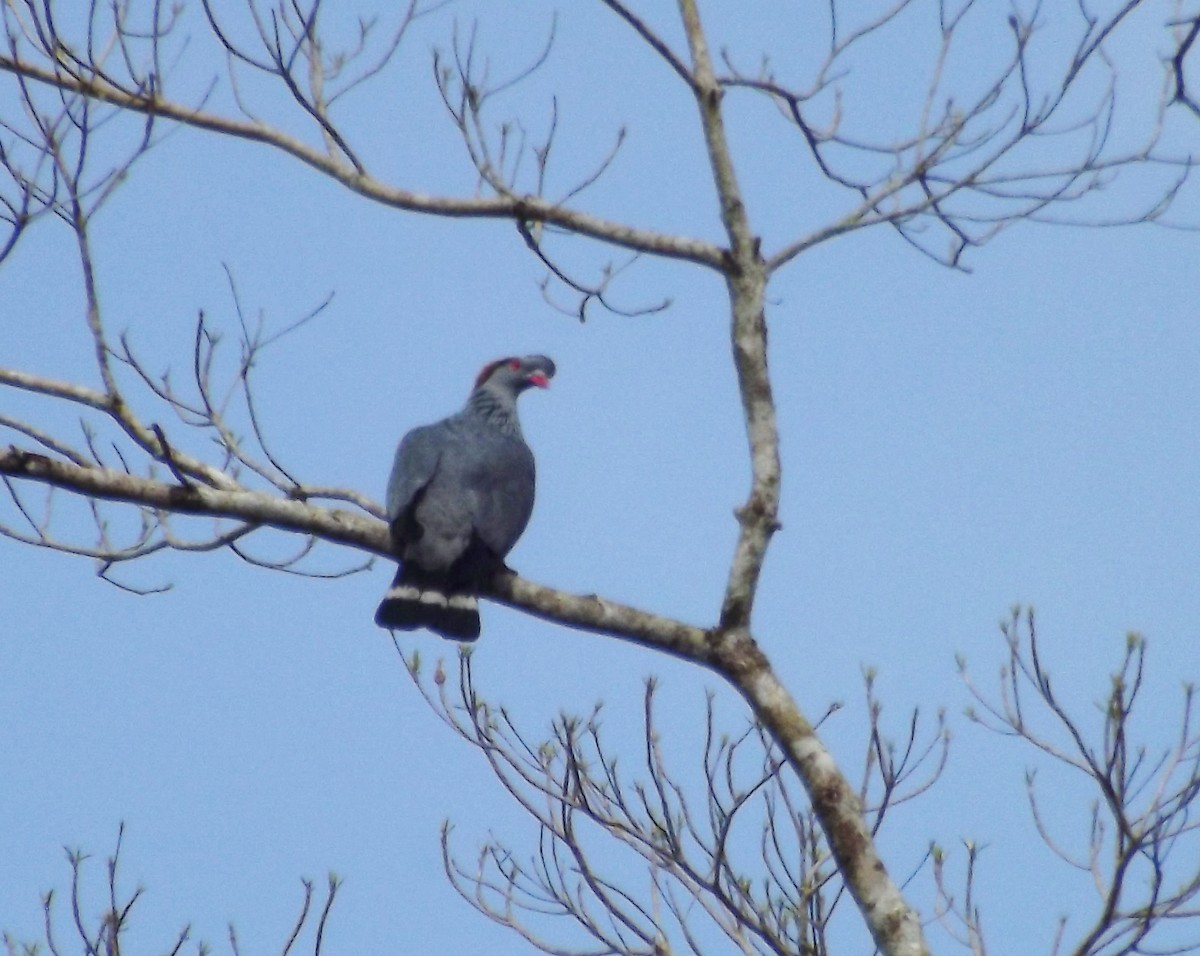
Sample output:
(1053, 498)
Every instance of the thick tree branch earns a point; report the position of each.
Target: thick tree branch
(692, 841)
(335, 525)
(733, 654)
(362, 532)
(517, 208)
(746, 281)
(959, 150)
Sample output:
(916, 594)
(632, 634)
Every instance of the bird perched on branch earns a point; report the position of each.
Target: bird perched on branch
(459, 496)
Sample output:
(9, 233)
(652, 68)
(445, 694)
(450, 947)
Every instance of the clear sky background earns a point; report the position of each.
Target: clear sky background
(953, 444)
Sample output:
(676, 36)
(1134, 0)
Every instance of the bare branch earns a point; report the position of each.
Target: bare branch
(1183, 92)
(973, 160)
(107, 936)
(976, 165)
(519, 208)
(1142, 847)
(654, 41)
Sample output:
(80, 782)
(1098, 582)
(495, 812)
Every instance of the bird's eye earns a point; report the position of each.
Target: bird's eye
(514, 364)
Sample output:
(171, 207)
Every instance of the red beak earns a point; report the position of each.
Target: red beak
(540, 380)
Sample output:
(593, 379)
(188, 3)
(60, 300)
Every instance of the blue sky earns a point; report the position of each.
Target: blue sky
(953, 444)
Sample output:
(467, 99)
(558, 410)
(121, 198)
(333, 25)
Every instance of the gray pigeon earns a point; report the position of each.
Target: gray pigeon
(459, 496)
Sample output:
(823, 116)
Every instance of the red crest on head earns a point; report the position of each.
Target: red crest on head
(486, 372)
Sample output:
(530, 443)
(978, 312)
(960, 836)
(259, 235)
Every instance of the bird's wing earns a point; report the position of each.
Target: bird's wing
(504, 501)
(414, 467)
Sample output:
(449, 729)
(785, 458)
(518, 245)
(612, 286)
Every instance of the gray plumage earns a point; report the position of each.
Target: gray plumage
(460, 494)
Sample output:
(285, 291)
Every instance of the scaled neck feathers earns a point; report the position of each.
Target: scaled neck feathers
(496, 407)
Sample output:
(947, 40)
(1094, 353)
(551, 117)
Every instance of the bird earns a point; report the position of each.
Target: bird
(459, 496)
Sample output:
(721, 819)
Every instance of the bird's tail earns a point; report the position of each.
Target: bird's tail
(417, 600)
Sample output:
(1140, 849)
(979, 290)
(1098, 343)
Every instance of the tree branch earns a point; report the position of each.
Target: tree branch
(732, 654)
(956, 151)
(746, 281)
(335, 525)
(518, 208)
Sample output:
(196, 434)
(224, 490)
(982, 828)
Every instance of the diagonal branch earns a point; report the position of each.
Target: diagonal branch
(656, 42)
(892, 923)
(260, 508)
(733, 655)
(746, 281)
(518, 208)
